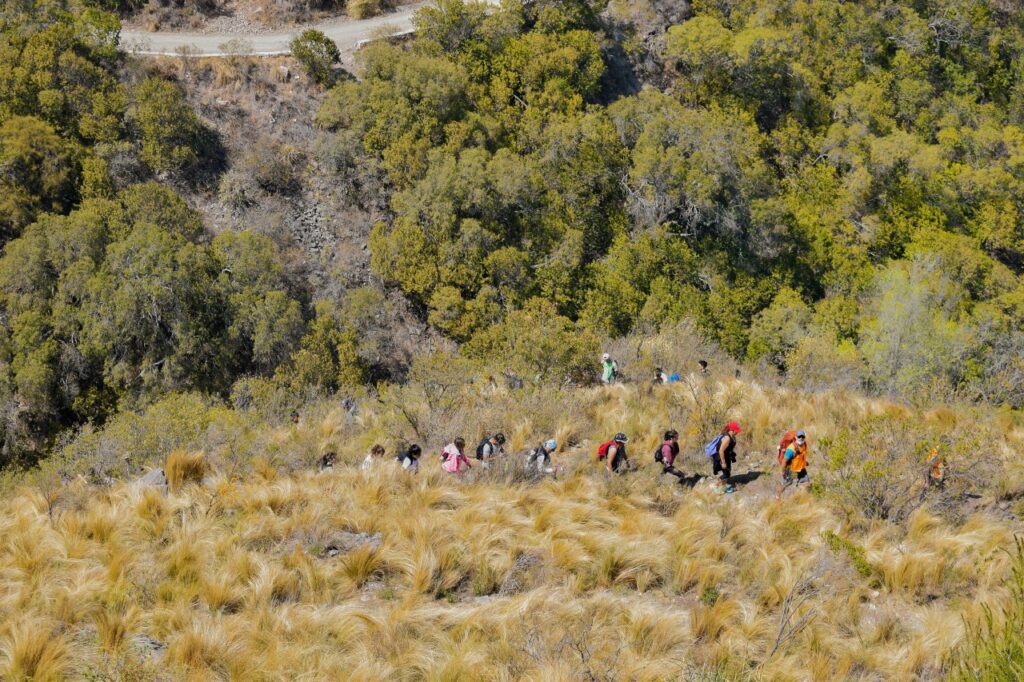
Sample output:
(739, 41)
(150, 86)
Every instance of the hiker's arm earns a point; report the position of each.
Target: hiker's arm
(723, 445)
(609, 457)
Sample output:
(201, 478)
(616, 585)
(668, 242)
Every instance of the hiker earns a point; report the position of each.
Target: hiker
(410, 459)
(936, 468)
(613, 452)
(453, 457)
(540, 457)
(295, 416)
(659, 376)
(793, 459)
(667, 452)
(490, 447)
(328, 461)
(722, 451)
(703, 367)
(376, 454)
(609, 369)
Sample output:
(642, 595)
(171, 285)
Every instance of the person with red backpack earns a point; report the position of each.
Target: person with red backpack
(613, 453)
(453, 457)
(667, 452)
(792, 456)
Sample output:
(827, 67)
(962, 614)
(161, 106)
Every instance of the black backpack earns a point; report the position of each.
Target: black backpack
(480, 448)
(658, 457)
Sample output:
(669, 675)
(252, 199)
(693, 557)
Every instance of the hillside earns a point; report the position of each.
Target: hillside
(253, 565)
(440, 236)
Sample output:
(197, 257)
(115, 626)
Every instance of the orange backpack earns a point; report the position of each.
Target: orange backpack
(788, 439)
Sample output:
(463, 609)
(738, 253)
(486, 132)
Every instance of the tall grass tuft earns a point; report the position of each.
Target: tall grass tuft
(184, 467)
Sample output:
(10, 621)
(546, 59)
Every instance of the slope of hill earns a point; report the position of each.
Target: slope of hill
(251, 565)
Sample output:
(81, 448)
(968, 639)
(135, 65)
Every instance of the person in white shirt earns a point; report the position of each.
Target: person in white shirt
(376, 454)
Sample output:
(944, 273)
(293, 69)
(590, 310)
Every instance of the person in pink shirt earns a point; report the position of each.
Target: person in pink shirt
(453, 457)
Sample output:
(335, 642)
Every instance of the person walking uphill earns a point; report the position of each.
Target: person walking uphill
(667, 452)
(722, 451)
(453, 457)
(613, 454)
(410, 459)
(540, 457)
(490, 447)
(793, 459)
(609, 370)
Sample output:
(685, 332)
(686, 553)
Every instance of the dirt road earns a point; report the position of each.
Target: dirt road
(349, 35)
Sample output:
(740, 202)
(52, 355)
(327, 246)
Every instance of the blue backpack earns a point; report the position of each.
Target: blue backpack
(711, 449)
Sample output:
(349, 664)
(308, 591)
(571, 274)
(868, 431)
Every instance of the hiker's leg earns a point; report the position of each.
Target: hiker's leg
(675, 472)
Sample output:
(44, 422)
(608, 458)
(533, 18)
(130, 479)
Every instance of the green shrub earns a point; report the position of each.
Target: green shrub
(317, 53)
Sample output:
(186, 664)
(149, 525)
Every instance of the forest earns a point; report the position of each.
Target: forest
(831, 191)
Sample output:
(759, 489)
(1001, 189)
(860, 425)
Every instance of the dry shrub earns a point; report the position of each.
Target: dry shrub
(184, 467)
(32, 650)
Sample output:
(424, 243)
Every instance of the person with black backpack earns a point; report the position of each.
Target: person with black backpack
(540, 457)
(490, 447)
(667, 452)
(410, 459)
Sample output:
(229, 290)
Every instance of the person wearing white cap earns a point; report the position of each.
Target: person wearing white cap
(540, 457)
(794, 468)
(609, 369)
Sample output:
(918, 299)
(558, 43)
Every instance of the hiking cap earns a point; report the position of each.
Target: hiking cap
(801, 434)
(621, 438)
(550, 444)
(671, 433)
(500, 437)
(606, 356)
(733, 426)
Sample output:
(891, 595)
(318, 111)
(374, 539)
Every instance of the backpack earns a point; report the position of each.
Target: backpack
(480, 448)
(602, 450)
(711, 449)
(658, 457)
(788, 439)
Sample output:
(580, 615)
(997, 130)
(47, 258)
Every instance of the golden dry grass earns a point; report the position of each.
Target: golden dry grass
(432, 577)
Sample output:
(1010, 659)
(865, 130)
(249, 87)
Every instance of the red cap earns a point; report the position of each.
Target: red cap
(733, 426)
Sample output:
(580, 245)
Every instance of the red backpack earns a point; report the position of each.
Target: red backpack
(788, 439)
(602, 450)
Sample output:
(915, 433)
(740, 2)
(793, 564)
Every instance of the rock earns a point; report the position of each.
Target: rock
(343, 542)
(153, 477)
(148, 647)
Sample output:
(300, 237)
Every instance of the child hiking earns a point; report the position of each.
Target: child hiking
(667, 452)
(453, 457)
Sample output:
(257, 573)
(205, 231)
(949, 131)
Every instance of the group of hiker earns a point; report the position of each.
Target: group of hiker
(610, 371)
(453, 456)
(792, 457)
(792, 452)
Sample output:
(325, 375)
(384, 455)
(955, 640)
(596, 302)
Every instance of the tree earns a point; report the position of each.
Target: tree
(317, 53)
(38, 172)
(169, 130)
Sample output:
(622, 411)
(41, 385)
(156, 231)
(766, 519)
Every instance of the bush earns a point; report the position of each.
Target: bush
(994, 648)
(317, 53)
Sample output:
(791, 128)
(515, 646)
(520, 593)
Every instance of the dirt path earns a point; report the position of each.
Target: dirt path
(348, 34)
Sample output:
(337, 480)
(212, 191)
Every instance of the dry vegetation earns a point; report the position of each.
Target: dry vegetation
(252, 566)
